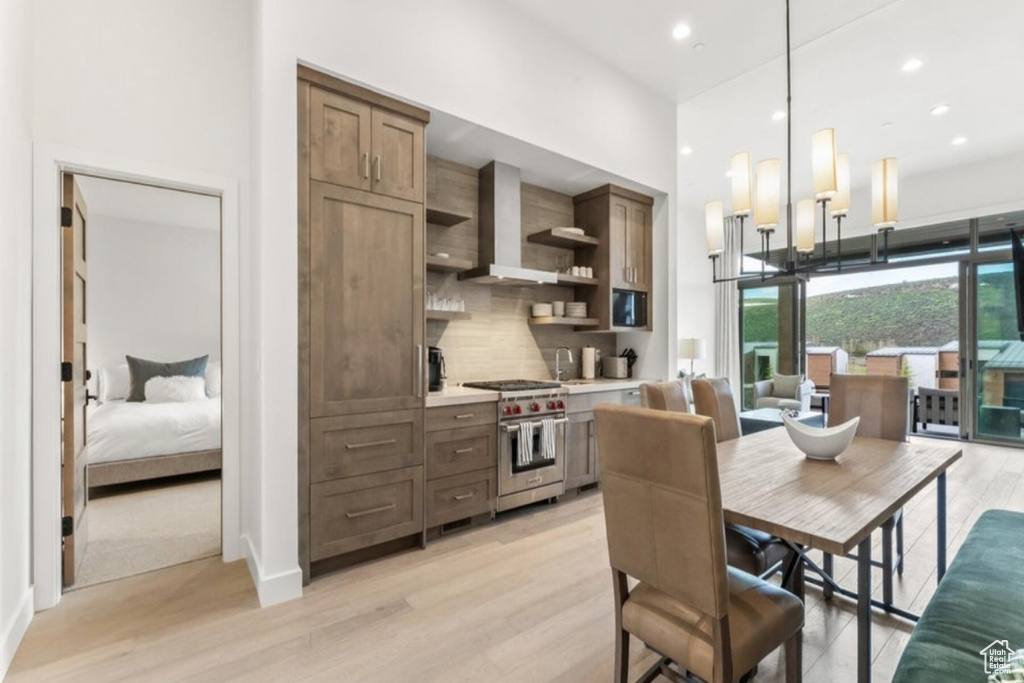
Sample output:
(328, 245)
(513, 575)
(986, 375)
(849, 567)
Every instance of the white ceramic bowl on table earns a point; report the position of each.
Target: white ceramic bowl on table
(818, 443)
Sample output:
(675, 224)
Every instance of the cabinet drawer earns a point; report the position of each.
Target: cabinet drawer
(362, 444)
(461, 496)
(631, 397)
(461, 450)
(465, 415)
(358, 512)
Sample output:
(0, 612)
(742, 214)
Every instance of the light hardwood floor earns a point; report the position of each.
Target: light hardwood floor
(525, 599)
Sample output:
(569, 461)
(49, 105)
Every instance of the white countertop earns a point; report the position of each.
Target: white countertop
(458, 395)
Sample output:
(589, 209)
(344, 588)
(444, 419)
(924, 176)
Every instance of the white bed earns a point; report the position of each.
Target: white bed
(136, 440)
(119, 430)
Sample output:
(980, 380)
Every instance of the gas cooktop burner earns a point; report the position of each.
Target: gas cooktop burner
(513, 385)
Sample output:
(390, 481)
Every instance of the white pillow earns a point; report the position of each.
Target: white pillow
(115, 383)
(213, 379)
(177, 389)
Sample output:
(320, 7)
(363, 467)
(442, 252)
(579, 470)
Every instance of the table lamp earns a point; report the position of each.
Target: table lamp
(691, 348)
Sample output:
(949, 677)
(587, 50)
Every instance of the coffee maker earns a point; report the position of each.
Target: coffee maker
(437, 371)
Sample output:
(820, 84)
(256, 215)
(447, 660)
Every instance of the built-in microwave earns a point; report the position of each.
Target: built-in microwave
(629, 308)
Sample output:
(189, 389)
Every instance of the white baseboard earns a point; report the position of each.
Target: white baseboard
(14, 630)
(271, 590)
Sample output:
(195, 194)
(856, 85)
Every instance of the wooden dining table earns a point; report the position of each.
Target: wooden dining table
(833, 506)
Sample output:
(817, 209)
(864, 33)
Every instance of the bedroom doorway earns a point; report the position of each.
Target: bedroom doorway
(141, 377)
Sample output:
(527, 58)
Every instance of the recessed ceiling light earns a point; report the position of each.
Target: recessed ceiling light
(728, 174)
(939, 110)
(699, 47)
(686, 150)
(912, 64)
(681, 31)
(959, 140)
(778, 115)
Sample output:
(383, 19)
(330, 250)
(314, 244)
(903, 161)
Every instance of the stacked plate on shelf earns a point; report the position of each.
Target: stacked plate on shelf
(542, 310)
(575, 309)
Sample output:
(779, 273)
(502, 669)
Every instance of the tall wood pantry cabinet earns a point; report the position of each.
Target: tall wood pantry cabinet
(361, 319)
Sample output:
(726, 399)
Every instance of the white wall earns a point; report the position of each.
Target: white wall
(15, 328)
(154, 291)
(166, 84)
(482, 62)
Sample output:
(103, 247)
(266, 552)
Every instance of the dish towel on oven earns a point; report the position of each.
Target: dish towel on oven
(547, 439)
(525, 455)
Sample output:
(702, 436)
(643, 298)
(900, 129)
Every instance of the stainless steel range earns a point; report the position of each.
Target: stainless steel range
(538, 471)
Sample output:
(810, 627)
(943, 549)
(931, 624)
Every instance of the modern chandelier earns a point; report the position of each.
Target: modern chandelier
(831, 187)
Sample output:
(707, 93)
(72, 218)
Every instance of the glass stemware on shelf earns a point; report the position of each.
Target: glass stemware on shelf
(436, 302)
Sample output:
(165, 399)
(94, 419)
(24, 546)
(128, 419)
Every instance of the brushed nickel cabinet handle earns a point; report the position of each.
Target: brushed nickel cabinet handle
(462, 451)
(633, 393)
(464, 496)
(370, 444)
(377, 165)
(366, 165)
(419, 371)
(535, 480)
(464, 416)
(371, 511)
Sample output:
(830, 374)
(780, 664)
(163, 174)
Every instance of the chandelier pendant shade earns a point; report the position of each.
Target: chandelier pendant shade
(884, 207)
(766, 210)
(823, 164)
(739, 169)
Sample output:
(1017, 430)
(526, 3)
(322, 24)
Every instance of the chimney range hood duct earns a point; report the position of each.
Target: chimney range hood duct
(501, 232)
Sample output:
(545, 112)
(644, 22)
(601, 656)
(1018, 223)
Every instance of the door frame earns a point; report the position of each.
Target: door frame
(49, 162)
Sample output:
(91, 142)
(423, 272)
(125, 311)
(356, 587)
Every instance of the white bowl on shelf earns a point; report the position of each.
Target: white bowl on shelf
(819, 443)
(573, 231)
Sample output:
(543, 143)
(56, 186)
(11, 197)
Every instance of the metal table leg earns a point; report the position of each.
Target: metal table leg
(864, 611)
(940, 524)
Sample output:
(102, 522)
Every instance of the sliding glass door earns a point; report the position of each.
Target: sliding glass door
(996, 357)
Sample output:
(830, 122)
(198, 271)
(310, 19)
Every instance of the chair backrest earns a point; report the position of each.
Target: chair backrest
(881, 401)
(663, 503)
(673, 396)
(713, 398)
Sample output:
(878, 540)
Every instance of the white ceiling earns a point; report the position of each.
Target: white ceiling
(737, 35)
(147, 204)
(846, 74)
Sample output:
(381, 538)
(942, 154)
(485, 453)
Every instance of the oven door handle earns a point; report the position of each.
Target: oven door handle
(515, 427)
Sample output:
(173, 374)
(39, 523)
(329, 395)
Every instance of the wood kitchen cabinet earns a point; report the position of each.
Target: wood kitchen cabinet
(355, 144)
(622, 221)
(580, 450)
(361, 268)
(462, 462)
(366, 302)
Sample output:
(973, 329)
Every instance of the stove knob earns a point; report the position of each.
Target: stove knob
(535, 407)
(561, 405)
(551, 405)
(508, 410)
(518, 409)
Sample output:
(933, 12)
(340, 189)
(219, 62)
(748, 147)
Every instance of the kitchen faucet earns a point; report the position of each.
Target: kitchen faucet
(558, 368)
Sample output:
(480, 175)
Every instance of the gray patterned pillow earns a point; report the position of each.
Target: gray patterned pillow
(141, 371)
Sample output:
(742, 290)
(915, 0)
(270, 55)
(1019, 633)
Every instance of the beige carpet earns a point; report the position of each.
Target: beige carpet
(138, 528)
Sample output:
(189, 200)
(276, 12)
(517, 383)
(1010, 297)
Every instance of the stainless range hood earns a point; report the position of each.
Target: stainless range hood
(500, 252)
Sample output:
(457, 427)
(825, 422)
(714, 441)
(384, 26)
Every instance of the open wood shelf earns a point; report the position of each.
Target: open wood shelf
(448, 315)
(445, 218)
(564, 279)
(565, 320)
(559, 237)
(448, 265)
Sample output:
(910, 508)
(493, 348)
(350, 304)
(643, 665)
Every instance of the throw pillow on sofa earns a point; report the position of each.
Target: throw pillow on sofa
(786, 386)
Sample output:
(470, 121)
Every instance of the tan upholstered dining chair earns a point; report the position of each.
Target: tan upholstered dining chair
(883, 404)
(673, 396)
(663, 515)
(751, 550)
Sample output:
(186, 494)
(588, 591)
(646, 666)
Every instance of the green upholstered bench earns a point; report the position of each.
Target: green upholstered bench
(980, 600)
